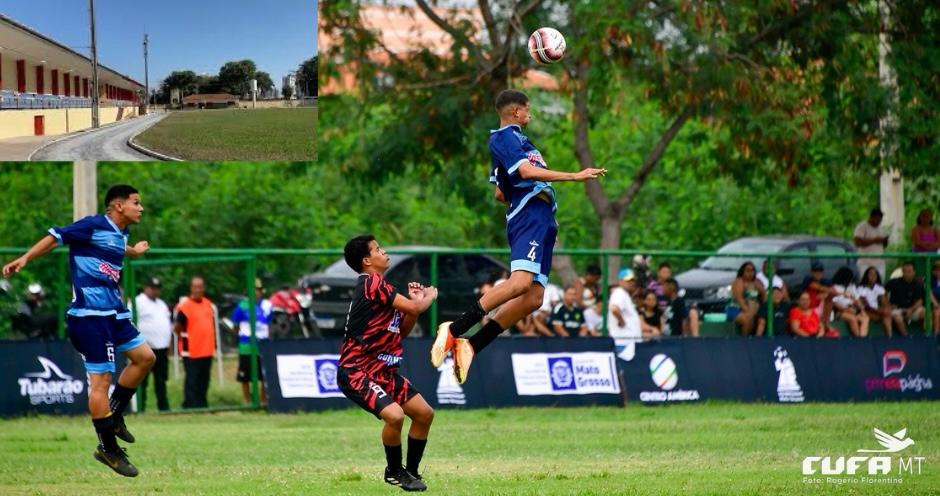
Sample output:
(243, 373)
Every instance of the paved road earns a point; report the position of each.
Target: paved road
(109, 143)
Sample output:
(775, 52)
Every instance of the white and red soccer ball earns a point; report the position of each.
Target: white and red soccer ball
(547, 45)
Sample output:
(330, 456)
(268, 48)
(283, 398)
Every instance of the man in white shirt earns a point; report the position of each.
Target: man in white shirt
(623, 321)
(869, 238)
(154, 323)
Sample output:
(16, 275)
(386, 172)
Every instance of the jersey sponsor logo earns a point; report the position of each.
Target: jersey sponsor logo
(535, 158)
(389, 359)
(51, 386)
(111, 272)
(395, 325)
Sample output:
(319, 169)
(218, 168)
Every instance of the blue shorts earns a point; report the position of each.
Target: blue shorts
(532, 232)
(99, 338)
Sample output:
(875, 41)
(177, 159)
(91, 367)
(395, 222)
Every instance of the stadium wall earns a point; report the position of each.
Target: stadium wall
(16, 123)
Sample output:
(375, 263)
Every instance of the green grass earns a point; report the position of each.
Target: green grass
(680, 449)
(236, 134)
(220, 395)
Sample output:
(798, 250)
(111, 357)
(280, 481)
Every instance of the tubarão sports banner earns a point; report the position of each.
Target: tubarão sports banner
(783, 370)
(301, 374)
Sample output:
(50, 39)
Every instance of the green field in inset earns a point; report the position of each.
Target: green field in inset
(720, 449)
(236, 134)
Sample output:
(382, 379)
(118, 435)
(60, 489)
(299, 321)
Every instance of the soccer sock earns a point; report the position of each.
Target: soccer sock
(120, 398)
(415, 452)
(105, 429)
(467, 320)
(393, 457)
(486, 335)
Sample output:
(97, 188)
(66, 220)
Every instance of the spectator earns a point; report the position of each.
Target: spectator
(874, 298)
(820, 296)
(870, 239)
(34, 317)
(663, 273)
(623, 321)
(781, 311)
(746, 294)
(935, 295)
(542, 316)
(925, 238)
(195, 325)
(778, 282)
(242, 319)
(847, 304)
(568, 317)
(155, 323)
(633, 287)
(651, 317)
(804, 320)
(906, 295)
(680, 319)
(588, 285)
(593, 317)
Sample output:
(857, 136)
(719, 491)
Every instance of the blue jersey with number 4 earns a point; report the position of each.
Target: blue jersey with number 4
(96, 255)
(510, 149)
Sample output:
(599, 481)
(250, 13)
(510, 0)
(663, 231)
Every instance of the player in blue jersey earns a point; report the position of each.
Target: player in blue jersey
(99, 324)
(524, 183)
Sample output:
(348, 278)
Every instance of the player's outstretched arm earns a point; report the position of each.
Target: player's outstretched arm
(529, 171)
(137, 250)
(43, 246)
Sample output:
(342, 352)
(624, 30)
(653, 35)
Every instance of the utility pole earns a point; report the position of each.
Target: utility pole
(84, 189)
(94, 68)
(146, 74)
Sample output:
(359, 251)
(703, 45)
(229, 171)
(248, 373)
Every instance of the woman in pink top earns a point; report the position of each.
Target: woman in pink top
(925, 237)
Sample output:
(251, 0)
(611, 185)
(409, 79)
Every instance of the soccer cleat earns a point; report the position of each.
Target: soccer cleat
(117, 461)
(463, 355)
(120, 430)
(443, 343)
(403, 478)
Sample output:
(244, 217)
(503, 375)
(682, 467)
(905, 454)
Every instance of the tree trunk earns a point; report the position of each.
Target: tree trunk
(610, 240)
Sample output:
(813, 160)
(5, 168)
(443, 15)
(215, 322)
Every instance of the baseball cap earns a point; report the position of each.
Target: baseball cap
(626, 275)
(153, 282)
(258, 284)
(34, 288)
(817, 266)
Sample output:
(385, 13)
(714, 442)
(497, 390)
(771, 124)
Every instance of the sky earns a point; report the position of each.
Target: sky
(198, 35)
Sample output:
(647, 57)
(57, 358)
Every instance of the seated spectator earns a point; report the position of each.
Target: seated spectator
(781, 312)
(906, 295)
(746, 295)
(820, 295)
(847, 304)
(651, 317)
(778, 282)
(875, 299)
(935, 295)
(568, 318)
(663, 273)
(623, 321)
(925, 238)
(593, 318)
(541, 318)
(588, 285)
(804, 321)
(680, 320)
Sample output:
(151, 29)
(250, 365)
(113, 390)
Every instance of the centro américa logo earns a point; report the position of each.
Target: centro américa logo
(866, 466)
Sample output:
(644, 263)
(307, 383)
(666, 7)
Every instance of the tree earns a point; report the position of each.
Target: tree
(235, 77)
(288, 92)
(186, 81)
(208, 84)
(307, 75)
(265, 83)
(781, 85)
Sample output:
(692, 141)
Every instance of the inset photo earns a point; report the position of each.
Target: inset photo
(174, 80)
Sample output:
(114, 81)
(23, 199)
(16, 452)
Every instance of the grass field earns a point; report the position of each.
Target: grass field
(236, 134)
(689, 449)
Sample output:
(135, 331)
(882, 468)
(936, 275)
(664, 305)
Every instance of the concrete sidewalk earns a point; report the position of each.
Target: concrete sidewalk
(19, 149)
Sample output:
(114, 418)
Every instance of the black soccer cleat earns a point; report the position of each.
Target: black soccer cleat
(120, 430)
(117, 461)
(403, 478)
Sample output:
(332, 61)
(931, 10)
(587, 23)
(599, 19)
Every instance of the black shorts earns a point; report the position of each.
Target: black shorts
(244, 368)
(375, 392)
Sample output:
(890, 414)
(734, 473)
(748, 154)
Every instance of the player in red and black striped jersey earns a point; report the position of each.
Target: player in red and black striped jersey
(379, 316)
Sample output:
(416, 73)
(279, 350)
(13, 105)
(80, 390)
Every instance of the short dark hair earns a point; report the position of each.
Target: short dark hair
(356, 249)
(119, 192)
(506, 98)
(876, 212)
(664, 264)
(908, 262)
(593, 270)
(673, 281)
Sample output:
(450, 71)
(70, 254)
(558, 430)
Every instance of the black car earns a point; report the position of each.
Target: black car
(459, 277)
(709, 285)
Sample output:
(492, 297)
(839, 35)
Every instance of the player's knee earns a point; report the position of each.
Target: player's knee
(147, 358)
(425, 416)
(393, 416)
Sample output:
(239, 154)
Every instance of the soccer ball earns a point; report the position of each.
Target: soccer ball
(547, 45)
